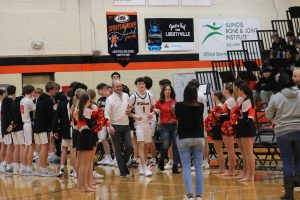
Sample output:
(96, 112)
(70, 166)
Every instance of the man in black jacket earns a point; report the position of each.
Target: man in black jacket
(43, 124)
(7, 127)
(278, 45)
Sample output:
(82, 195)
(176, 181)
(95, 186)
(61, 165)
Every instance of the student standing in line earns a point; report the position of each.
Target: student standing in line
(7, 127)
(27, 107)
(189, 114)
(2, 150)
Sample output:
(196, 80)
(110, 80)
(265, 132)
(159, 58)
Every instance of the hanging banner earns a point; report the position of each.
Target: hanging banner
(122, 35)
(163, 2)
(196, 2)
(129, 2)
(169, 34)
(216, 36)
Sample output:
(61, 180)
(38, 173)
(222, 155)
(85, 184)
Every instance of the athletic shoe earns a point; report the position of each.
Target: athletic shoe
(9, 169)
(152, 163)
(205, 164)
(29, 172)
(107, 159)
(141, 170)
(199, 198)
(47, 173)
(36, 158)
(123, 175)
(54, 159)
(16, 171)
(23, 172)
(113, 163)
(147, 172)
(2, 168)
(169, 165)
(193, 168)
(73, 173)
(96, 175)
(61, 172)
(135, 163)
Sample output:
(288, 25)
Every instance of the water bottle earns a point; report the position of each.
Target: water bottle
(154, 37)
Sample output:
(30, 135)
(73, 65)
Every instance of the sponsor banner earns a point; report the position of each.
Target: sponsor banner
(196, 2)
(217, 36)
(122, 36)
(163, 2)
(169, 34)
(129, 2)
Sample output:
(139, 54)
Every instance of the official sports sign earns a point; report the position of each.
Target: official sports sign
(216, 36)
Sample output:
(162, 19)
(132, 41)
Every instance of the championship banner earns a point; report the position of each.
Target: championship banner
(129, 2)
(169, 34)
(122, 35)
(163, 2)
(196, 2)
(216, 36)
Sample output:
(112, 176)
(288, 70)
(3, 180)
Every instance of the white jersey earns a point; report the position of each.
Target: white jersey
(202, 99)
(142, 105)
(26, 106)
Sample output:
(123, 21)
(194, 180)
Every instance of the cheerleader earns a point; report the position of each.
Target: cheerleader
(94, 107)
(238, 137)
(85, 144)
(217, 133)
(229, 139)
(247, 130)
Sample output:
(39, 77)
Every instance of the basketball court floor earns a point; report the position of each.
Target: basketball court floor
(161, 186)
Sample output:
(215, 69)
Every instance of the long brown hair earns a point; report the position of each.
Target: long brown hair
(82, 101)
(162, 98)
(190, 95)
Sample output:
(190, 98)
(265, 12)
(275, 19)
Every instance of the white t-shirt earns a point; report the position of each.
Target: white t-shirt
(26, 106)
(202, 99)
(142, 106)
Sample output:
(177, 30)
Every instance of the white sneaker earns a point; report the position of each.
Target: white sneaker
(108, 160)
(73, 173)
(16, 171)
(114, 162)
(3, 168)
(205, 164)
(96, 175)
(141, 170)
(193, 168)
(61, 172)
(47, 173)
(169, 165)
(9, 169)
(103, 161)
(199, 198)
(147, 172)
(23, 171)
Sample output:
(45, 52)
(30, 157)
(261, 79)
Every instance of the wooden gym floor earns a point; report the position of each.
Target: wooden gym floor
(160, 186)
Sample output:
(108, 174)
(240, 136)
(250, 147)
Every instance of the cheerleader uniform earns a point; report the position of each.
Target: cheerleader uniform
(75, 132)
(228, 105)
(216, 131)
(85, 139)
(238, 128)
(247, 126)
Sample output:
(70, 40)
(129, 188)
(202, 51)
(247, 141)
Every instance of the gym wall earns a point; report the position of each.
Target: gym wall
(77, 28)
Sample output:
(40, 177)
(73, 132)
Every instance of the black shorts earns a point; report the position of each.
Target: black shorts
(85, 140)
(74, 137)
(248, 129)
(217, 133)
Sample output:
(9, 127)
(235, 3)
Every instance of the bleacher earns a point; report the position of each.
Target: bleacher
(245, 64)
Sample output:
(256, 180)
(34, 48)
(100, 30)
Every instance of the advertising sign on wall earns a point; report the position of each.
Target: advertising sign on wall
(122, 36)
(216, 36)
(169, 34)
(163, 2)
(196, 2)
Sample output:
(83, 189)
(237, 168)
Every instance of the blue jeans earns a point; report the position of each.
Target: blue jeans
(186, 147)
(168, 135)
(289, 145)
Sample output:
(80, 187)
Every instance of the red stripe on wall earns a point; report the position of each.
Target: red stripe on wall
(103, 67)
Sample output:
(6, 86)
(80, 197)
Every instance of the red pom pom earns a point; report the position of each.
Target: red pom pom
(227, 128)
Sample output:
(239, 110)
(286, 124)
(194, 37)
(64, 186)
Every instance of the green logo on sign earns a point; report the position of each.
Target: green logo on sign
(213, 28)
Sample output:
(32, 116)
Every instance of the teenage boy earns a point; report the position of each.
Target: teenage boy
(42, 124)
(142, 102)
(6, 128)
(27, 108)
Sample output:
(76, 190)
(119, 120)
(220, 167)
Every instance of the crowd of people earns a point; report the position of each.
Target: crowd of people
(49, 123)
